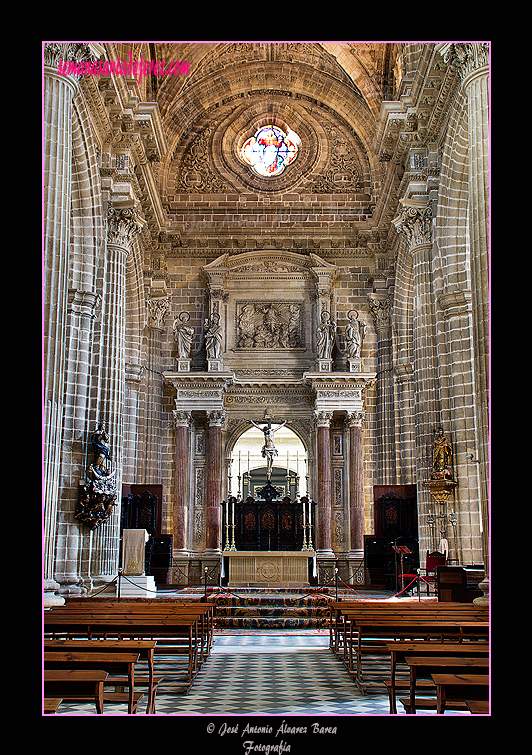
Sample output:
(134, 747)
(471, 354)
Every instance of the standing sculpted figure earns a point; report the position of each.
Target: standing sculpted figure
(269, 452)
(354, 335)
(442, 454)
(325, 336)
(213, 336)
(183, 335)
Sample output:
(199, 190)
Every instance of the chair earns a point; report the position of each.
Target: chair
(433, 560)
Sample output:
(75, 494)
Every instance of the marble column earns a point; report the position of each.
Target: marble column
(58, 94)
(213, 493)
(181, 482)
(356, 484)
(323, 537)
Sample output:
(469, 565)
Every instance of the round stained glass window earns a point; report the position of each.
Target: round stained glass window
(270, 151)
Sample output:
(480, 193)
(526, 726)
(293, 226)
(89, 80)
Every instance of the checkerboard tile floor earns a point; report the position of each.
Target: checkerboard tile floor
(254, 674)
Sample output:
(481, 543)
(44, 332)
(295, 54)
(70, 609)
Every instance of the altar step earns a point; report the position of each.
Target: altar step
(271, 609)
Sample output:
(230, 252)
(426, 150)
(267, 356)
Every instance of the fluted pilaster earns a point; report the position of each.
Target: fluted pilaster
(380, 306)
(181, 482)
(123, 224)
(356, 483)
(213, 496)
(323, 530)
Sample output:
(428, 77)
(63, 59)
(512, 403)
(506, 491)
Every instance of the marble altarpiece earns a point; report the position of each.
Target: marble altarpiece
(268, 305)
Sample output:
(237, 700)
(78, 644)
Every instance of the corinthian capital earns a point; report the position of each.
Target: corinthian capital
(157, 311)
(381, 309)
(123, 223)
(415, 222)
(467, 56)
(66, 52)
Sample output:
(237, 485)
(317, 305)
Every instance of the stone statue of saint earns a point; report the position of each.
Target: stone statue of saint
(213, 336)
(269, 452)
(354, 335)
(442, 455)
(183, 335)
(102, 452)
(325, 336)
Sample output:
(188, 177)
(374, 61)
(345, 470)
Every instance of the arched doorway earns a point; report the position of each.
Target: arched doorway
(248, 470)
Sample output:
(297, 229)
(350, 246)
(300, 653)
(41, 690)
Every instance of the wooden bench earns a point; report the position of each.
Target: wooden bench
(203, 611)
(144, 648)
(112, 663)
(176, 636)
(372, 637)
(422, 667)
(200, 640)
(478, 706)
(51, 704)
(76, 686)
(399, 651)
(342, 612)
(360, 631)
(463, 688)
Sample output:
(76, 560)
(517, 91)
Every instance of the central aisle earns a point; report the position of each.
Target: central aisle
(272, 673)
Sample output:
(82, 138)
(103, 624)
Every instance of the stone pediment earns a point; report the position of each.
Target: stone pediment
(277, 263)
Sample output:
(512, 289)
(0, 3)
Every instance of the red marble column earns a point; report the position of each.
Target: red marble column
(324, 503)
(214, 483)
(356, 484)
(181, 482)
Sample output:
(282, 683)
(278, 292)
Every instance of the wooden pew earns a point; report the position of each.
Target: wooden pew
(202, 627)
(112, 663)
(176, 636)
(339, 610)
(422, 667)
(478, 706)
(203, 611)
(453, 688)
(144, 648)
(51, 704)
(79, 686)
(399, 651)
(360, 630)
(372, 637)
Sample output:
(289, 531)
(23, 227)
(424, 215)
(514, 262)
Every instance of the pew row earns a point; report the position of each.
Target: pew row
(145, 649)
(183, 634)
(360, 634)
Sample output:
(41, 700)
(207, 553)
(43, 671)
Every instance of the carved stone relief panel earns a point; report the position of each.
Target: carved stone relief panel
(269, 325)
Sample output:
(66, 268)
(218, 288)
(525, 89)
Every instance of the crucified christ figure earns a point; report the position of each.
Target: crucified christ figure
(269, 451)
